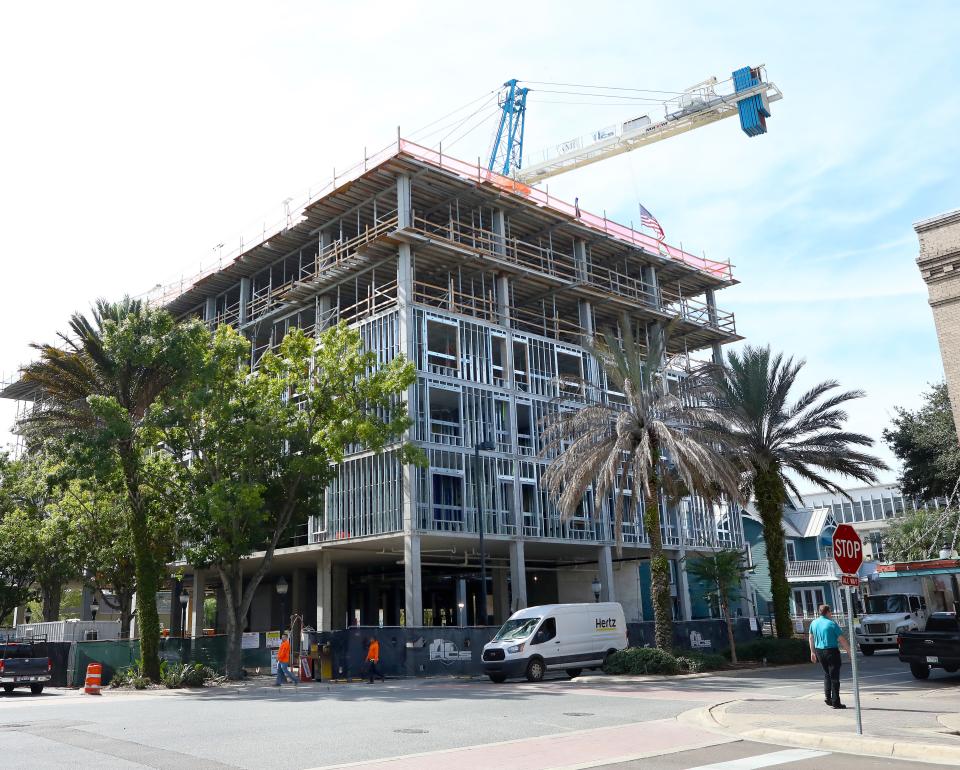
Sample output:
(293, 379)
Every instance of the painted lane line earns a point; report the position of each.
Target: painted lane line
(764, 760)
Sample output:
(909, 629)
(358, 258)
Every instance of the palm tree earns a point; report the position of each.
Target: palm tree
(97, 387)
(653, 437)
(722, 572)
(778, 440)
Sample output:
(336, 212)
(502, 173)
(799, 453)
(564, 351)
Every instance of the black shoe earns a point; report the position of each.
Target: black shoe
(839, 706)
(828, 702)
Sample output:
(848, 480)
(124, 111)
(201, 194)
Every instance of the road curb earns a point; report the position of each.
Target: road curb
(639, 679)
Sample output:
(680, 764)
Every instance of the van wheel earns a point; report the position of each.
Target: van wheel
(867, 650)
(573, 673)
(36, 689)
(920, 670)
(535, 670)
(951, 669)
(498, 678)
(8, 688)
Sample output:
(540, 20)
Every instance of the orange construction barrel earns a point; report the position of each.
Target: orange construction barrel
(94, 672)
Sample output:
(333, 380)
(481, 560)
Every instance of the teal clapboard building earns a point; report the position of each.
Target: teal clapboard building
(811, 571)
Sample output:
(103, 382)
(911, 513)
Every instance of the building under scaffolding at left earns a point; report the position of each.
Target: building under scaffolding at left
(493, 289)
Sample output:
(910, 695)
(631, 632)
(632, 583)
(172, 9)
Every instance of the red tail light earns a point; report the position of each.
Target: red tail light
(1, 666)
(49, 665)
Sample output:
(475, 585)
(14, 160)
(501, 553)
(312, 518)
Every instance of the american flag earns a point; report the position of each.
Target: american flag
(649, 220)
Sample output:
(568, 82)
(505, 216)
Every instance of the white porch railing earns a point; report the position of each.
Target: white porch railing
(812, 568)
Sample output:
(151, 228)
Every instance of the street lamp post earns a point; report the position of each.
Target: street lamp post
(184, 598)
(282, 587)
(94, 609)
(596, 585)
(482, 446)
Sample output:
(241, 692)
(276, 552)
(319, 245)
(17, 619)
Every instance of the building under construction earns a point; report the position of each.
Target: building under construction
(492, 288)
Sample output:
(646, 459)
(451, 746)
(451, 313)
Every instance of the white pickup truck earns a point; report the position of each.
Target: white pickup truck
(888, 615)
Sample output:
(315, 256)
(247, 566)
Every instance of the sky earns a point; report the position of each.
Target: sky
(135, 138)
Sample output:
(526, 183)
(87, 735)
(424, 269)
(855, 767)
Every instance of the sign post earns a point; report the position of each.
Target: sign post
(848, 554)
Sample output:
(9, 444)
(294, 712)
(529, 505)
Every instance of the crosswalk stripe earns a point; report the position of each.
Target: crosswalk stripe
(764, 760)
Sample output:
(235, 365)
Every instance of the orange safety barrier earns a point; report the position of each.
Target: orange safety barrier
(92, 685)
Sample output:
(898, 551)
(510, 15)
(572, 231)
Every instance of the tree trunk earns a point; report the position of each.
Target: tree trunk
(659, 570)
(769, 493)
(146, 568)
(230, 581)
(51, 595)
(126, 602)
(725, 609)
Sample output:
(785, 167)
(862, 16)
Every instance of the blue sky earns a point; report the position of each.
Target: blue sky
(133, 142)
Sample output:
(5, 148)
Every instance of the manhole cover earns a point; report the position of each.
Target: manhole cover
(577, 714)
(411, 731)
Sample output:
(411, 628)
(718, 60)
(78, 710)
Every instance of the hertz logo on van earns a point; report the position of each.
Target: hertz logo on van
(606, 624)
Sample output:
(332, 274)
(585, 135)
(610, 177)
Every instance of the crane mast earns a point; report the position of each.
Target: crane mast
(700, 105)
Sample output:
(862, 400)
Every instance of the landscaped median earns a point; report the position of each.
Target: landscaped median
(639, 661)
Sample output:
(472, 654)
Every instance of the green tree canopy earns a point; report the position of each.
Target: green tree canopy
(98, 385)
(925, 442)
(920, 534)
(257, 450)
(721, 574)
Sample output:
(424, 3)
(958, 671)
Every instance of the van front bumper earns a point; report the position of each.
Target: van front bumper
(508, 668)
(877, 640)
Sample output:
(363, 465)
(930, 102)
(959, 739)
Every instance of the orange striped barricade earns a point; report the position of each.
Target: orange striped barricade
(306, 675)
(92, 685)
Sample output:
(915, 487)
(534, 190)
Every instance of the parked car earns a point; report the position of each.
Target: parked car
(566, 637)
(937, 646)
(24, 663)
(886, 616)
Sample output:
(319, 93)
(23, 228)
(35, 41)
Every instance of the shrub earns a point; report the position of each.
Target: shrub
(695, 662)
(131, 676)
(641, 660)
(774, 651)
(185, 675)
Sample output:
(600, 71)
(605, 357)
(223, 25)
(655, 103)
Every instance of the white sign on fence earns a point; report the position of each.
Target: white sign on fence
(273, 638)
(250, 640)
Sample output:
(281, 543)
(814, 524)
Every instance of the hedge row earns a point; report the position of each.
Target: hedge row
(650, 660)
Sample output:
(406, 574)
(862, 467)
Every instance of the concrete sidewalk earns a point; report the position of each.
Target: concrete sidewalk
(904, 727)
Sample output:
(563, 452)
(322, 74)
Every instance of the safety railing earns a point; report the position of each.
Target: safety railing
(811, 568)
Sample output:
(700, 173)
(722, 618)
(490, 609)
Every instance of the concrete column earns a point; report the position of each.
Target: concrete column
(404, 202)
(462, 602)
(499, 232)
(244, 300)
(176, 611)
(503, 300)
(654, 285)
(18, 616)
(608, 590)
(683, 590)
(324, 592)
(413, 588)
(580, 259)
(210, 310)
(518, 576)
(501, 596)
(585, 308)
(196, 603)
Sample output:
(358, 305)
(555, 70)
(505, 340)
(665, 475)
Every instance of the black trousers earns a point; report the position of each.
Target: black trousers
(374, 668)
(829, 659)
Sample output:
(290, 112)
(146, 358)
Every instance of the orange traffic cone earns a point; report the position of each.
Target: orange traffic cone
(92, 686)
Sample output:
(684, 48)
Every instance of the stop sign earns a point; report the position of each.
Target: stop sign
(847, 549)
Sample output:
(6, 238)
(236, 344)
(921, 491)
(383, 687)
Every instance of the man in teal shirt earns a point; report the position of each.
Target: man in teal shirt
(826, 638)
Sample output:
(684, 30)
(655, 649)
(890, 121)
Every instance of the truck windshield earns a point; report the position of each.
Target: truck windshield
(519, 628)
(879, 605)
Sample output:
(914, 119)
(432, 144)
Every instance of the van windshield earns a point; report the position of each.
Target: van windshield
(519, 628)
(879, 605)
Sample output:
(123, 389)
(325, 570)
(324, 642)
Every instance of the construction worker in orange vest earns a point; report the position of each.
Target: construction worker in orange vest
(283, 662)
(373, 660)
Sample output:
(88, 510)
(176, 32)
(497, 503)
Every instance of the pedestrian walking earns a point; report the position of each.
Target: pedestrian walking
(826, 638)
(373, 660)
(283, 662)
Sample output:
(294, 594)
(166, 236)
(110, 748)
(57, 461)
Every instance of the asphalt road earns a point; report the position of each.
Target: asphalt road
(420, 724)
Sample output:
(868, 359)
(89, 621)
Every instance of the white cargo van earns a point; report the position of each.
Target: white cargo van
(568, 637)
